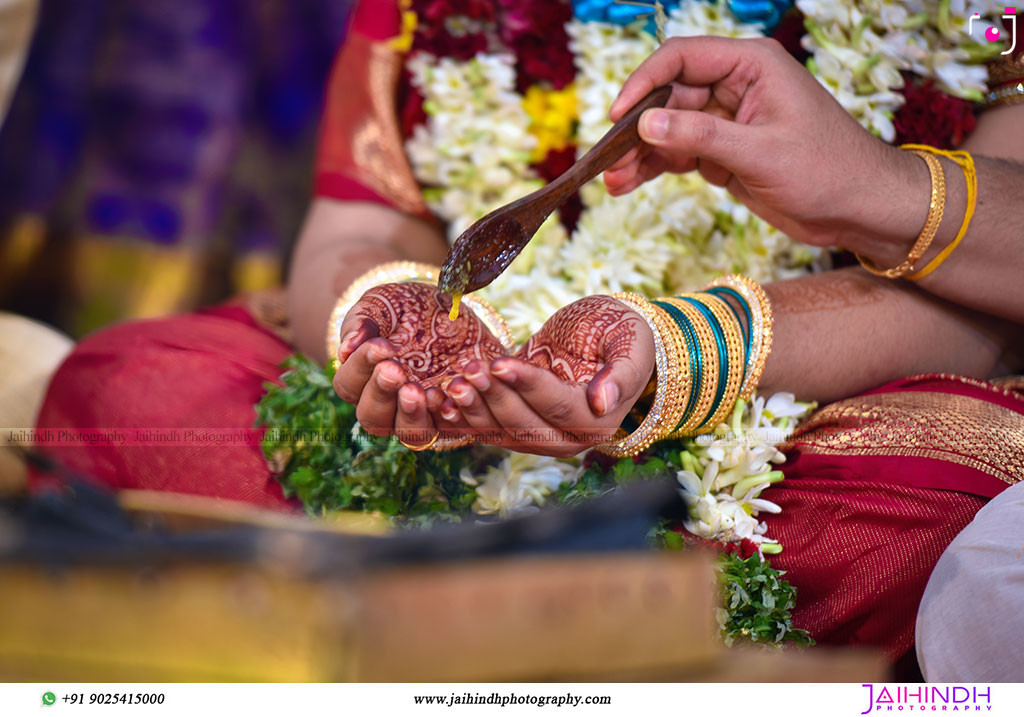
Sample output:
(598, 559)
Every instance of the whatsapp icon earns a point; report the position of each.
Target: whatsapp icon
(49, 698)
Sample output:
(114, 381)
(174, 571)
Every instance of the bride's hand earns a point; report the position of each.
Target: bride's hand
(567, 389)
(398, 347)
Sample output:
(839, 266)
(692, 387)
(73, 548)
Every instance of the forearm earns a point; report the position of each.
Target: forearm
(842, 332)
(339, 242)
(985, 270)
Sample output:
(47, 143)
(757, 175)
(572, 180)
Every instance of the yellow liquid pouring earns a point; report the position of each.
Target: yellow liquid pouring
(454, 313)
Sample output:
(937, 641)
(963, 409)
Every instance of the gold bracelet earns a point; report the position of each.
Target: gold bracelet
(966, 162)
(652, 428)
(425, 447)
(399, 271)
(734, 357)
(760, 329)
(936, 208)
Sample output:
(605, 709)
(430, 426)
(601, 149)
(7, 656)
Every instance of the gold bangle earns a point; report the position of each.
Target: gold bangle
(708, 380)
(679, 382)
(650, 429)
(734, 357)
(966, 163)
(761, 325)
(936, 208)
(399, 271)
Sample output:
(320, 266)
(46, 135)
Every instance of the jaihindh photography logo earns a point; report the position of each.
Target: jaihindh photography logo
(927, 698)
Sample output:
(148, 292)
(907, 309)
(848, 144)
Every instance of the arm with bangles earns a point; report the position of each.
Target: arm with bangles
(986, 270)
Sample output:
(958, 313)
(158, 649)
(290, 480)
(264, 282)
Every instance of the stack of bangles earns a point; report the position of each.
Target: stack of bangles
(710, 350)
(936, 211)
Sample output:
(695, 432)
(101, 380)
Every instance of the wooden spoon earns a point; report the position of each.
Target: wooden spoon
(486, 249)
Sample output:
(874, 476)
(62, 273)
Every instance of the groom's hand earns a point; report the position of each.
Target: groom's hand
(750, 118)
(566, 390)
(398, 347)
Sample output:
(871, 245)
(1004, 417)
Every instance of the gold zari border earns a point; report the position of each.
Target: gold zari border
(956, 429)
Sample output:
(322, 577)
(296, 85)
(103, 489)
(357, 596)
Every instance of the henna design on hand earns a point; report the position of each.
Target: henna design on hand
(430, 347)
(581, 338)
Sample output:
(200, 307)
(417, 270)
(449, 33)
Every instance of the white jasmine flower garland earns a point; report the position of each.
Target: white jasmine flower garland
(714, 18)
(729, 468)
(859, 48)
(473, 154)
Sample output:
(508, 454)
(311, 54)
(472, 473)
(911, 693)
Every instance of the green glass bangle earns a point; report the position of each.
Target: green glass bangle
(749, 332)
(723, 356)
(696, 365)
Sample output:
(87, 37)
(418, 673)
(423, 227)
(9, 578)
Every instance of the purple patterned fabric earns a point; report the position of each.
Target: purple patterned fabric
(177, 123)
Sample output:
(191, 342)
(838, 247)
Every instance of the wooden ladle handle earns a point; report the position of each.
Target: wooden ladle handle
(622, 137)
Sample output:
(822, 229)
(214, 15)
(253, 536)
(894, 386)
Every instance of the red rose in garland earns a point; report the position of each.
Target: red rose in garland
(535, 31)
(932, 117)
(453, 28)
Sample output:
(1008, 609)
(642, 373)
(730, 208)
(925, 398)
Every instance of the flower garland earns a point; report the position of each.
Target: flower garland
(862, 51)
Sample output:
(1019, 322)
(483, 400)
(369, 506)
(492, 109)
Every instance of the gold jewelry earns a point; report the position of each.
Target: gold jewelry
(676, 386)
(651, 428)
(966, 163)
(936, 208)
(426, 447)
(398, 271)
(760, 329)
(734, 357)
(1012, 94)
(680, 382)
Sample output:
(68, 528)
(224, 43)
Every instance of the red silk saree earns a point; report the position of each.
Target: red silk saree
(876, 485)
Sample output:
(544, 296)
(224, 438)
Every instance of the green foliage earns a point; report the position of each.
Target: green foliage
(322, 457)
(757, 603)
(591, 484)
(596, 480)
(663, 537)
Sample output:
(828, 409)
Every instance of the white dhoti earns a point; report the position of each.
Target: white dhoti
(970, 626)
